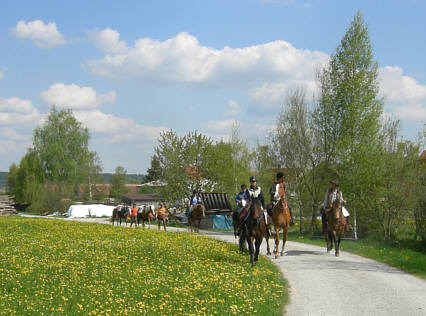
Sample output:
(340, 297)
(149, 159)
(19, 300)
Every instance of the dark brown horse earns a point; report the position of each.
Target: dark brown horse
(254, 229)
(194, 219)
(281, 219)
(335, 226)
(145, 213)
(162, 215)
(119, 214)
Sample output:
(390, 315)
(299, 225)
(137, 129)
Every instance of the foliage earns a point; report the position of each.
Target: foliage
(57, 267)
(195, 162)
(118, 183)
(61, 145)
(154, 172)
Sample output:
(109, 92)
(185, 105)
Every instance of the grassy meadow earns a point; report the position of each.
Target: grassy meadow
(53, 267)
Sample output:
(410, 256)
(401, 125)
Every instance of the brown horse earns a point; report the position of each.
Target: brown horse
(335, 226)
(162, 215)
(194, 219)
(119, 214)
(145, 214)
(254, 229)
(281, 219)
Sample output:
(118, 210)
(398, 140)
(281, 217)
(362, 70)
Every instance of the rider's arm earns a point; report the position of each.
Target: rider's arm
(262, 200)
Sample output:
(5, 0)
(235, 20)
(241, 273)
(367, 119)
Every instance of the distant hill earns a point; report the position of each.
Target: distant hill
(107, 178)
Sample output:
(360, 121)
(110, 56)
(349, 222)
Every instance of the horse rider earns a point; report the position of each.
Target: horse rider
(273, 191)
(254, 192)
(333, 193)
(240, 199)
(133, 213)
(193, 200)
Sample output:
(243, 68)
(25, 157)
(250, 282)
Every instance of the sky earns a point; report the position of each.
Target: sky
(131, 69)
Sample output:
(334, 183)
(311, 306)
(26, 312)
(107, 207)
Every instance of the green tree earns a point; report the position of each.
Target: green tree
(11, 179)
(348, 113)
(295, 147)
(61, 145)
(118, 182)
(154, 172)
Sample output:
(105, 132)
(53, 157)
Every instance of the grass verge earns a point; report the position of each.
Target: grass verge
(407, 260)
(53, 267)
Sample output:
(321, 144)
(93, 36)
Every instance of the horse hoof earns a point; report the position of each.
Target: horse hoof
(282, 254)
(276, 256)
(337, 254)
(268, 253)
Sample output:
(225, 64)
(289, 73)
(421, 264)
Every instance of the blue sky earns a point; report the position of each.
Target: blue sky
(130, 69)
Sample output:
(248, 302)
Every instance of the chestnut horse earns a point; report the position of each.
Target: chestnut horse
(335, 226)
(145, 214)
(254, 229)
(281, 219)
(194, 219)
(162, 215)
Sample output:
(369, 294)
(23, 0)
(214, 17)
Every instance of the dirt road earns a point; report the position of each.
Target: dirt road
(322, 284)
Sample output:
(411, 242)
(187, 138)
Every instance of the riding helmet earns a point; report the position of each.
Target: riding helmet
(253, 179)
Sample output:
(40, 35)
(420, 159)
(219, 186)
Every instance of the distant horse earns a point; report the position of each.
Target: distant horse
(194, 219)
(119, 214)
(281, 219)
(254, 229)
(146, 214)
(335, 226)
(162, 215)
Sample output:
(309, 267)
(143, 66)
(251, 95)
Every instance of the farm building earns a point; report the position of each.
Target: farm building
(142, 199)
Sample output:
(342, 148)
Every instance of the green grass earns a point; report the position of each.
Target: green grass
(406, 259)
(53, 267)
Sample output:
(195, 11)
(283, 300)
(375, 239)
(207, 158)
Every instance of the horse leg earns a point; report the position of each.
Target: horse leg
(285, 231)
(337, 245)
(268, 250)
(329, 241)
(258, 242)
(251, 250)
(277, 241)
(164, 224)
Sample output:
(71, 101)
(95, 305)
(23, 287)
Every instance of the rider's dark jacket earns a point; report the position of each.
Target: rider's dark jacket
(253, 192)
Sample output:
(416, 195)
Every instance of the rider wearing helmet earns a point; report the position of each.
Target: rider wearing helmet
(273, 191)
(254, 191)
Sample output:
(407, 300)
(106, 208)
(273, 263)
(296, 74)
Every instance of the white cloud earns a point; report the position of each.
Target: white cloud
(403, 95)
(182, 60)
(10, 133)
(416, 112)
(219, 126)
(43, 35)
(233, 108)
(15, 111)
(108, 40)
(117, 129)
(75, 97)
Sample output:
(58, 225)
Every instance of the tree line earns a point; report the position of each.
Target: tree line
(342, 134)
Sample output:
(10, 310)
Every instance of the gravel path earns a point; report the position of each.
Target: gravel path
(322, 284)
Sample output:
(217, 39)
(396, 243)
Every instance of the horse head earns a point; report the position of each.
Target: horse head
(337, 209)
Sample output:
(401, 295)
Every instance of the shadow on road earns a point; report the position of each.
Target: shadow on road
(301, 253)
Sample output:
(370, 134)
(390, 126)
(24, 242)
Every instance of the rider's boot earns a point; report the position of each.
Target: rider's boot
(291, 218)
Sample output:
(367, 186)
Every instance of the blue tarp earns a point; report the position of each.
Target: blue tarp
(221, 221)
